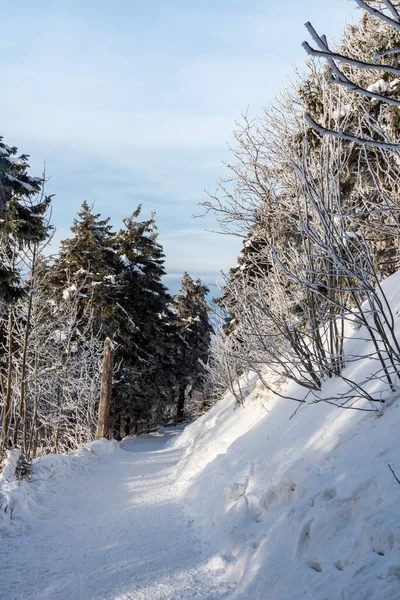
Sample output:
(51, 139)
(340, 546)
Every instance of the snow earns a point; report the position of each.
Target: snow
(304, 507)
(274, 499)
(8, 472)
(382, 86)
(125, 260)
(67, 292)
(104, 523)
(379, 86)
(9, 492)
(342, 111)
(110, 278)
(16, 161)
(297, 499)
(59, 335)
(26, 186)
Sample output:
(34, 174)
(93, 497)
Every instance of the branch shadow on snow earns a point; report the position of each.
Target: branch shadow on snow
(299, 497)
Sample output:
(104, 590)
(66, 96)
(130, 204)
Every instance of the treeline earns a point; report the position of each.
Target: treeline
(56, 313)
(314, 191)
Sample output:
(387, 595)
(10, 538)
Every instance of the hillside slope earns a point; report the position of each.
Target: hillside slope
(298, 501)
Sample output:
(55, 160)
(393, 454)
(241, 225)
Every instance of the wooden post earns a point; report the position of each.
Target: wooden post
(105, 393)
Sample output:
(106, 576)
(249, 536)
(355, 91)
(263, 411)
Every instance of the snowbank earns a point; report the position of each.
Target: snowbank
(298, 503)
(18, 498)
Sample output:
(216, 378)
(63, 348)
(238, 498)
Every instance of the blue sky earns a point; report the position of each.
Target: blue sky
(134, 102)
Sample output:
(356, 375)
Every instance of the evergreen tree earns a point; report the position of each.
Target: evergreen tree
(195, 329)
(118, 280)
(22, 217)
(146, 335)
(87, 262)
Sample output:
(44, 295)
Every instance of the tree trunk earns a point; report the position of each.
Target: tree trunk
(7, 399)
(127, 426)
(105, 393)
(22, 399)
(117, 427)
(181, 403)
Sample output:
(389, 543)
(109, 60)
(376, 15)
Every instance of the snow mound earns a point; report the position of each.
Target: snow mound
(304, 507)
(19, 497)
(298, 500)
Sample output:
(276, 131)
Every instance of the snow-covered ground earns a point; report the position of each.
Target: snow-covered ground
(301, 507)
(298, 501)
(305, 508)
(262, 502)
(104, 523)
(273, 508)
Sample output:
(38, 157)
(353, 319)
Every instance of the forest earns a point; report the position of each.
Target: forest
(57, 310)
(313, 191)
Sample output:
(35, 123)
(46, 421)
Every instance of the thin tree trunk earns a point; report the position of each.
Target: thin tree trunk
(61, 407)
(117, 427)
(181, 403)
(33, 430)
(22, 407)
(7, 398)
(105, 393)
(127, 426)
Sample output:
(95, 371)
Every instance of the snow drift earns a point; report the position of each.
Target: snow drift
(299, 501)
(19, 498)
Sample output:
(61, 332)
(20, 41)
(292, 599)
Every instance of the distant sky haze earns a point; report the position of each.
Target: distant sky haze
(135, 102)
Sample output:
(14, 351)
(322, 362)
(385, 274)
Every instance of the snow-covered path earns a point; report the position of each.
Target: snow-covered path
(114, 531)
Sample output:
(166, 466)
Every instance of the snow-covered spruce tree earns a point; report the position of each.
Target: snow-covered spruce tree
(87, 261)
(247, 263)
(146, 336)
(86, 270)
(119, 278)
(22, 221)
(195, 330)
